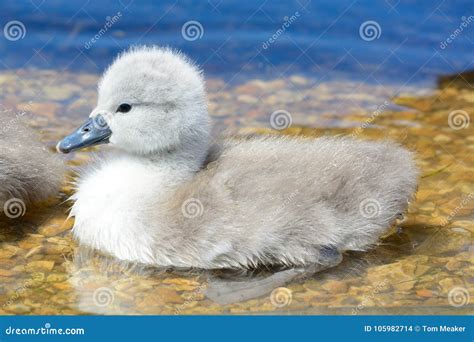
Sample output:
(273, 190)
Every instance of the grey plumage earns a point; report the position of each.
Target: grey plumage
(28, 171)
(255, 201)
(276, 200)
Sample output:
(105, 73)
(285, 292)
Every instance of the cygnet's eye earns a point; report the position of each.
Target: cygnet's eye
(124, 108)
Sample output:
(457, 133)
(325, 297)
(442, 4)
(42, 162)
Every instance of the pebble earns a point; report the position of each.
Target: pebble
(56, 277)
(40, 265)
(404, 285)
(8, 251)
(181, 282)
(446, 284)
(34, 251)
(424, 293)
(453, 265)
(247, 99)
(6, 273)
(62, 286)
(53, 229)
(61, 93)
(19, 308)
(161, 296)
(441, 138)
(335, 286)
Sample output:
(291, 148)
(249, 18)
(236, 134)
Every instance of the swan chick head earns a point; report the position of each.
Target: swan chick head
(150, 100)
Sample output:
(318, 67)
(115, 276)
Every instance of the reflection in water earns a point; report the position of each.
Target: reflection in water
(233, 289)
(104, 285)
(97, 279)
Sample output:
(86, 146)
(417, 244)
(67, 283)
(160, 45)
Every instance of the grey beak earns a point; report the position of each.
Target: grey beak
(94, 132)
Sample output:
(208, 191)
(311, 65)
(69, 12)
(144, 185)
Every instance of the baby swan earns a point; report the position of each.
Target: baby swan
(28, 171)
(259, 201)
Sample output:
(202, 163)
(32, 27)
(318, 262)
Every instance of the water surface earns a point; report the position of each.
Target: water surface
(323, 76)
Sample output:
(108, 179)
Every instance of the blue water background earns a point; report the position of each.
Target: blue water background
(323, 42)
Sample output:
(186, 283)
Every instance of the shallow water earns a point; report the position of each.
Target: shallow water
(423, 265)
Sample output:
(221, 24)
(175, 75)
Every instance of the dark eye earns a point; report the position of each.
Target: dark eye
(124, 108)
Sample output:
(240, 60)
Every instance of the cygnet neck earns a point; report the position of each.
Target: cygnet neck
(185, 159)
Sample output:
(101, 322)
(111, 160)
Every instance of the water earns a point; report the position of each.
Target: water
(320, 40)
(424, 265)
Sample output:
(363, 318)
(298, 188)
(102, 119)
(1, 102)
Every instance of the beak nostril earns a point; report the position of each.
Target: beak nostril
(86, 135)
